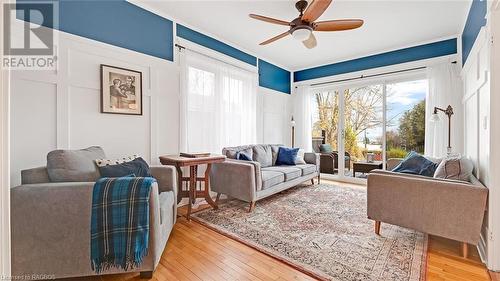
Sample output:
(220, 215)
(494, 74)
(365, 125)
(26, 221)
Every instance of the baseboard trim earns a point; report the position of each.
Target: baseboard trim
(482, 248)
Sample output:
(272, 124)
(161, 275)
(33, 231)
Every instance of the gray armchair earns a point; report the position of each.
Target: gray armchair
(330, 162)
(51, 220)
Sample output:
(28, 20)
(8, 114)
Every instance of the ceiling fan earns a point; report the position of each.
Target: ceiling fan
(302, 27)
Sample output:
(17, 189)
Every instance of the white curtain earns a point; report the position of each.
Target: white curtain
(218, 104)
(445, 88)
(302, 113)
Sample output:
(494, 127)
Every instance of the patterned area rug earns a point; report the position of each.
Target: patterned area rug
(323, 231)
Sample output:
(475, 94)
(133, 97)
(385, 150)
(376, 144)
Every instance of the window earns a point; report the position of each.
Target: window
(218, 104)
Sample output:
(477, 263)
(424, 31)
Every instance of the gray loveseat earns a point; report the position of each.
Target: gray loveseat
(51, 216)
(251, 181)
(447, 208)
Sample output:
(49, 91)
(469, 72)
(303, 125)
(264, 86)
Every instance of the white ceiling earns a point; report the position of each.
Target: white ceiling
(388, 25)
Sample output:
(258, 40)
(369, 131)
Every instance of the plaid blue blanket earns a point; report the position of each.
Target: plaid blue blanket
(120, 222)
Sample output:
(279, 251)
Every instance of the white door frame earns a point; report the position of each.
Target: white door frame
(4, 164)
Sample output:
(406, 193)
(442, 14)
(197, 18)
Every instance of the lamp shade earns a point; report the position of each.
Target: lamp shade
(301, 34)
(435, 117)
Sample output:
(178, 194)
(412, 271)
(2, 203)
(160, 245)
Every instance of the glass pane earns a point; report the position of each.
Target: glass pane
(405, 119)
(325, 110)
(363, 129)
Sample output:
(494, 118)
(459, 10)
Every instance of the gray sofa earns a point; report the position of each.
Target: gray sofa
(251, 181)
(447, 208)
(51, 218)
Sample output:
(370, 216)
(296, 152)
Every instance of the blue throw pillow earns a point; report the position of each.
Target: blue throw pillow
(286, 156)
(138, 167)
(243, 155)
(416, 164)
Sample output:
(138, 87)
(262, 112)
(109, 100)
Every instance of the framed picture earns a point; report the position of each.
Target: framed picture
(121, 90)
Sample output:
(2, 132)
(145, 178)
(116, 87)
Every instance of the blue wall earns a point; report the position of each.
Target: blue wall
(475, 20)
(421, 52)
(273, 77)
(118, 23)
(270, 76)
(214, 44)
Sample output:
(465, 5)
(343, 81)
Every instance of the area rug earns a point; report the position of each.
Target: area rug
(322, 230)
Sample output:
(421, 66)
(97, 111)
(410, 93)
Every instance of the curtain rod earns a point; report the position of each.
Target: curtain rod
(180, 47)
(372, 75)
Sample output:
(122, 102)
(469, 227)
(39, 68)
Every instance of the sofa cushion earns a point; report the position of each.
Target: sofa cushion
(271, 178)
(275, 149)
(74, 165)
(306, 169)
(263, 154)
(289, 172)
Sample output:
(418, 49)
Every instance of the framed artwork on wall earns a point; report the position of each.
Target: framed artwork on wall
(121, 90)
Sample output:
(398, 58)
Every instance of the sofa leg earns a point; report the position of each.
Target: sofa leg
(312, 181)
(252, 206)
(319, 176)
(146, 274)
(217, 199)
(465, 250)
(377, 227)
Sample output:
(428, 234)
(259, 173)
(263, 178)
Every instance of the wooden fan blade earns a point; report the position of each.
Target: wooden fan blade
(310, 42)
(284, 34)
(270, 20)
(337, 25)
(315, 10)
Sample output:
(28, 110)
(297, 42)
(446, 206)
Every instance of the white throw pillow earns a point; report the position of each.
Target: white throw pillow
(455, 168)
(300, 157)
(107, 162)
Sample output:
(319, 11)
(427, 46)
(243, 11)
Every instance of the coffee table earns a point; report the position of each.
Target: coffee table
(192, 181)
(365, 167)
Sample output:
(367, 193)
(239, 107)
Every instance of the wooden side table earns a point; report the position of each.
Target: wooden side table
(191, 190)
(365, 167)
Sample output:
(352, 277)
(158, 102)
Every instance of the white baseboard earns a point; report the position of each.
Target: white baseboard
(482, 248)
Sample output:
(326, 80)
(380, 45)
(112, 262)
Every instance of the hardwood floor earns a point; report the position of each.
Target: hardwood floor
(221, 258)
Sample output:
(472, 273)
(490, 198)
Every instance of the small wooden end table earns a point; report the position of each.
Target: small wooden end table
(365, 167)
(191, 191)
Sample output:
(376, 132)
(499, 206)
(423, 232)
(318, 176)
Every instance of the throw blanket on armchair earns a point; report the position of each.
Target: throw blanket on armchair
(120, 222)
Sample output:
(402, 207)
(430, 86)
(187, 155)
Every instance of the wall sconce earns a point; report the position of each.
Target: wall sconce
(292, 124)
(435, 118)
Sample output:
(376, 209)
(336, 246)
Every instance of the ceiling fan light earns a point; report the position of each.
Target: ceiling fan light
(301, 34)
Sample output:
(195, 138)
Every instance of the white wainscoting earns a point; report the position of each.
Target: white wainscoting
(476, 116)
(61, 109)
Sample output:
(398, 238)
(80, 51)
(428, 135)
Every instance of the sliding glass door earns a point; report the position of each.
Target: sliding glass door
(363, 128)
(367, 126)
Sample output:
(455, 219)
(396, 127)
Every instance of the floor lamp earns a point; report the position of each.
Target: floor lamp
(435, 118)
(292, 123)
